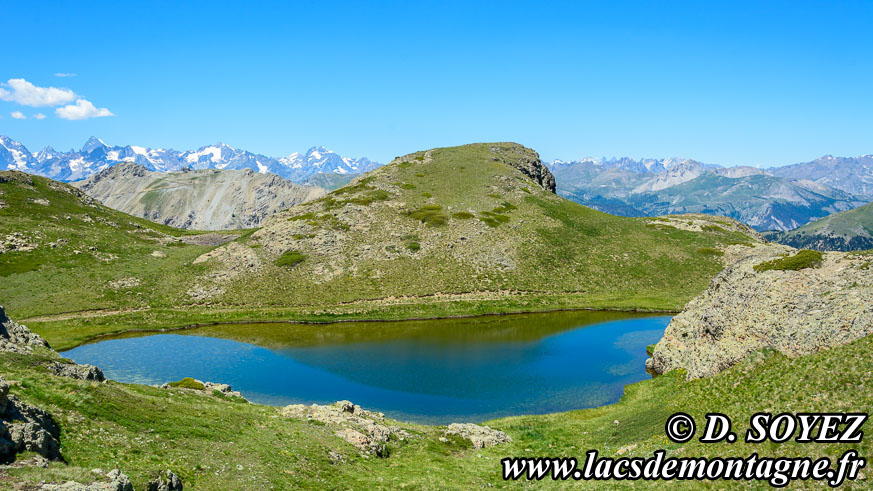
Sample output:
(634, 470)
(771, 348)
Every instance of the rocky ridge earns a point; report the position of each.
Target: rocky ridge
(793, 312)
(207, 199)
(15, 338)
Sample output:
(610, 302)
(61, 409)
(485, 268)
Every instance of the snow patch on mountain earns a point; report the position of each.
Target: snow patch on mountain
(96, 155)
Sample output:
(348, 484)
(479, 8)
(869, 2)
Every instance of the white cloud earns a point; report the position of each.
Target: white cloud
(64, 75)
(25, 93)
(82, 109)
(18, 115)
(39, 116)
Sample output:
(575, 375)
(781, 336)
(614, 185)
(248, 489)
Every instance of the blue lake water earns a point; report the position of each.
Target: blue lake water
(436, 371)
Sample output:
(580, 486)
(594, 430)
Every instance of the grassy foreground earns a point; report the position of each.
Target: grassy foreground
(215, 443)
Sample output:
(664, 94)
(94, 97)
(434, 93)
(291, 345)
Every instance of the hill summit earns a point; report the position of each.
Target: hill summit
(478, 221)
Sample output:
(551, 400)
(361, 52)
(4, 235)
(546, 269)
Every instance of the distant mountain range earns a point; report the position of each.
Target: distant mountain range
(779, 198)
(846, 231)
(95, 156)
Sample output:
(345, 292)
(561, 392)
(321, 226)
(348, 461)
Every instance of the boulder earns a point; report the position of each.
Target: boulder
(166, 481)
(79, 372)
(366, 430)
(209, 388)
(479, 436)
(115, 480)
(25, 428)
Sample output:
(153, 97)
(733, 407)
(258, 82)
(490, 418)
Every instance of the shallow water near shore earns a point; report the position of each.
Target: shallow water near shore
(434, 371)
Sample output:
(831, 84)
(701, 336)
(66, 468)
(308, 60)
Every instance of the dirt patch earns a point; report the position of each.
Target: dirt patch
(211, 240)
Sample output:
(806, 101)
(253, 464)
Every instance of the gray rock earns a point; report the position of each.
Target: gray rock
(480, 436)
(79, 372)
(115, 481)
(210, 387)
(368, 431)
(744, 311)
(527, 161)
(25, 428)
(166, 481)
(16, 338)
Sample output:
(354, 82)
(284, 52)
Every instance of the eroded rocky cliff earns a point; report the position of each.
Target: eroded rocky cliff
(207, 199)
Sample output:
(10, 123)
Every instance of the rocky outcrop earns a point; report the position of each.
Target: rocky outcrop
(114, 480)
(25, 428)
(75, 371)
(525, 160)
(207, 388)
(207, 199)
(15, 338)
(165, 481)
(368, 431)
(479, 436)
(794, 312)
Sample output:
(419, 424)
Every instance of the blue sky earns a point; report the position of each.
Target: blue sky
(753, 83)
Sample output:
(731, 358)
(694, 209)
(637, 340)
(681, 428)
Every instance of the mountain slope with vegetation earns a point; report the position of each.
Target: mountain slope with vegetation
(845, 231)
(454, 231)
(752, 196)
(207, 199)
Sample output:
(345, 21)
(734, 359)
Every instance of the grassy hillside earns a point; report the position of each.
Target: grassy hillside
(845, 231)
(215, 443)
(452, 221)
(65, 252)
(452, 231)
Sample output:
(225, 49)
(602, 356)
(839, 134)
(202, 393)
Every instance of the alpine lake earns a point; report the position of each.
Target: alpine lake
(431, 371)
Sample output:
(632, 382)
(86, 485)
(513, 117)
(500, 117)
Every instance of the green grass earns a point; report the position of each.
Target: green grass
(462, 215)
(290, 259)
(187, 383)
(413, 246)
(430, 215)
(801, 260)
(710, 251)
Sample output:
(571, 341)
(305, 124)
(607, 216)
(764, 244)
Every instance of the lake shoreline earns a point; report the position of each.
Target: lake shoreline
(162, 330)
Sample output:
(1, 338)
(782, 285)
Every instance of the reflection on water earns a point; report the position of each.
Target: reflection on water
(433, 371)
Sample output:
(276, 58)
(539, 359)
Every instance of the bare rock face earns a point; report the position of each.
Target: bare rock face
(480, 436)
(793, 312)
(527, 161)
(15, 338)
(368, 431)
(208, 199)
(25, 428)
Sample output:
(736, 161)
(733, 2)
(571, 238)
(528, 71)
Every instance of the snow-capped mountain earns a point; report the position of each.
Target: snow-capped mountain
(14, 155)
(95, 155)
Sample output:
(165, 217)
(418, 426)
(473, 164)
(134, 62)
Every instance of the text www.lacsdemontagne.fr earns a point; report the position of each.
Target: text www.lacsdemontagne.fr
(777, 472)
